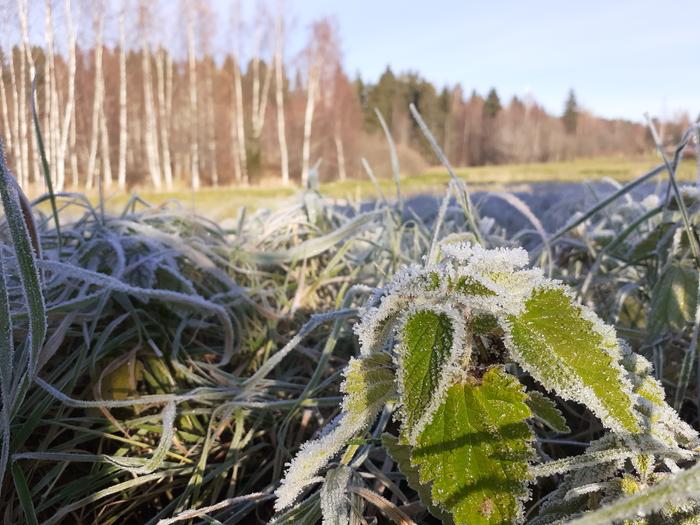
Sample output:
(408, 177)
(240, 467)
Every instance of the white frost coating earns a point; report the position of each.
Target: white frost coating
(593, 458)
(496, 269)
(589, 489)
(375, 325)
(651, 201)
(501, 258)
(453, 370)
(335, 506)
(138, 465)
(314, 455)
(663, 421)
(678, 489)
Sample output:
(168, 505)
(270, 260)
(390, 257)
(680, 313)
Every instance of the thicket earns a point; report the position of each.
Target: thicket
(141, 93)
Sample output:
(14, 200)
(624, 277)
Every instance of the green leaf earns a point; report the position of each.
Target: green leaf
(469, 286)
(17, 221)
(24, 495)
(369, 382)
(673, 300)
(476, 450)
(426, 345)
(401, 454)
(546, 411)
(570, 351)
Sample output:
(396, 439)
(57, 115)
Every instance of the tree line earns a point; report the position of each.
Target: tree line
(121, 103)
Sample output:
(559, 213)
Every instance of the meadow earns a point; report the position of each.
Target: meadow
(225, 202)
(160, 365)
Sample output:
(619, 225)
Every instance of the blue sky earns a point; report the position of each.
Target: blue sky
(621, 57)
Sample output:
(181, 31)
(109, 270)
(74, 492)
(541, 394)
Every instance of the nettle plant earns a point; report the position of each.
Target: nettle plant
(450, 346)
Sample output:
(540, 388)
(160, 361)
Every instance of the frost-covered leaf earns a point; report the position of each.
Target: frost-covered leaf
(673, 300)
(570, 351)
(546, 411)
(432, 350)
(336, 504)
(476, 450)
(679, 489)
(659, 418)
(649, 245)
(377, 324)
(401, 454)
(468, 285)
(369, 384)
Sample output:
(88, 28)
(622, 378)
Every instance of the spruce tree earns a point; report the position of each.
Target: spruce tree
(570, 116)
(493, 104)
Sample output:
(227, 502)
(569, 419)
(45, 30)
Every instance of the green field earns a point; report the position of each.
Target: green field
(226, 201)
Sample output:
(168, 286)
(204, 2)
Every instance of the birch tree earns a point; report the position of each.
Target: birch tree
(192, 83)
(260, 91)
(98, 98)
(279, 97)
(7, 136)
(321, 57)
(242, 171)
(162, 60)
(68, 125)
(16, 145)
(51, 112)
(151, 127)
(26, 61)
(211, 123)
(123, 131)
(311, 94)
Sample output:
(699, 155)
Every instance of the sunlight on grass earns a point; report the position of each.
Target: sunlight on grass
(225, 202)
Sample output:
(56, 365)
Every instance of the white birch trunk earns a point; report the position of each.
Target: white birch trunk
(68, 117)
(308, 121)
(194, 117)
(104, 145)
(26, 59)
(255, 108)
(169, 98)
(340, 154)
(164, 118)
(123, 131)
(16, 149)
(96, 105)
(240, 125)
(211, 125)
(48, 130)
(5, 111)
(279, 100)
(151, 137)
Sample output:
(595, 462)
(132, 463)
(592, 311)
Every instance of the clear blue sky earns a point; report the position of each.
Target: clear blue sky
(622, 57)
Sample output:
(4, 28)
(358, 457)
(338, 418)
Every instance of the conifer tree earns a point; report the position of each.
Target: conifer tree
(570, 116)
(493, 104)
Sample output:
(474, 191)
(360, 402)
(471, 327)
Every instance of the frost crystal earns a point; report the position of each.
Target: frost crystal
(505, 259)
